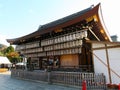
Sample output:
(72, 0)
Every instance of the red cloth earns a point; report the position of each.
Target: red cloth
(84, 85)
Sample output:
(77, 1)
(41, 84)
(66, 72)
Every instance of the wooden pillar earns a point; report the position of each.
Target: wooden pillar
(40, 63)
(80, 60)
(108, 64)
(87, 56)
(84, 52)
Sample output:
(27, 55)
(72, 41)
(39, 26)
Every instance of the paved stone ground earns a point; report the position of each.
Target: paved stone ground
(8, 83)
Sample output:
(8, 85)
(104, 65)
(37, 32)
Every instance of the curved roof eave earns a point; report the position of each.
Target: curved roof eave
(102, 23)
(69, 20)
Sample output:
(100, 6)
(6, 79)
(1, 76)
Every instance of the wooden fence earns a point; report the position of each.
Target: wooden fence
(93, 81)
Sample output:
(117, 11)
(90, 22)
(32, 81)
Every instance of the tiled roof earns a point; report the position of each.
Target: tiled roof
(63, 20)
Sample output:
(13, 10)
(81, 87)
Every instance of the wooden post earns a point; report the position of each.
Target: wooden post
(108, 64)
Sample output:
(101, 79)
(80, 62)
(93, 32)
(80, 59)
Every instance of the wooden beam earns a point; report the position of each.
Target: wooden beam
(108, 64)
(93, 34)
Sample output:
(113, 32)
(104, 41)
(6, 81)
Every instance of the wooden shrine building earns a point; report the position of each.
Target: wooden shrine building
(61, 44)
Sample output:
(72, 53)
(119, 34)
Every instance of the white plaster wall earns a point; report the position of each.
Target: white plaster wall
(99, 67)
(114, 60)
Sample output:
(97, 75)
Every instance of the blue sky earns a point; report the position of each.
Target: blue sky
(21, 17)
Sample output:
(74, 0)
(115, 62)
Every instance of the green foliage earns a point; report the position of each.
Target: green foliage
(1, 54)
(12, 55)
(9, 49)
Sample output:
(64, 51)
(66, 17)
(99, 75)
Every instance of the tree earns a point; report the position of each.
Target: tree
(12, 55)
(2, 49)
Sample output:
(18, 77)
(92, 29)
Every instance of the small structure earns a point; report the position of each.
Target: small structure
(114, 38)
(5, 64)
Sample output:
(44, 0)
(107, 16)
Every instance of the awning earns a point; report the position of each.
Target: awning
(4, 60)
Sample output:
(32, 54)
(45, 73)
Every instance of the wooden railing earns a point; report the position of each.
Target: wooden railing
(93, 81)
(75, 79)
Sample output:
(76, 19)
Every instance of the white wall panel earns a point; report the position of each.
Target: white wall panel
(114, 60)
(99, 67)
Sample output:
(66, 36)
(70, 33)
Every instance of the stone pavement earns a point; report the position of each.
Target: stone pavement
(8, 83)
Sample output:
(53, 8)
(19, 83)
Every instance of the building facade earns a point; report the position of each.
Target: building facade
(61, 44)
